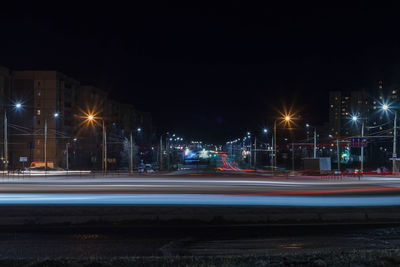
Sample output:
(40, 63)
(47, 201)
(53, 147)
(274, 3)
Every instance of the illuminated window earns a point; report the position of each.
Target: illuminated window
(380, 97)
(38, 112)
(331, 106)
(374, 107)
(394, 92)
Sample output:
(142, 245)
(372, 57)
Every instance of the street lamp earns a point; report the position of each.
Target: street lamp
(92, 118)
(315, 139)
(385, 107)
(287, 119)
(355, 118)
(17, 106)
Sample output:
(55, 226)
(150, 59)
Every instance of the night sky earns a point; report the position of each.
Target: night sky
(209, 74)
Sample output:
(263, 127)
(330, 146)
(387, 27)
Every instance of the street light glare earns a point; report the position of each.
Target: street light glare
(265, 130)
(287, 118)
(90, 117)
(385, 107)
(354, 118)
(18, 105)
(56, 115)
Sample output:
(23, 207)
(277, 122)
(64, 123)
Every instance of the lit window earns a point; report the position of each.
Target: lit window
(38, 112)
(374, 107)
(380, 97)
(394, 92)
(331, 106)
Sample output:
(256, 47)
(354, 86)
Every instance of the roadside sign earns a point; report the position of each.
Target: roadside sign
(23, 159)
(394, 155)
(358, 142)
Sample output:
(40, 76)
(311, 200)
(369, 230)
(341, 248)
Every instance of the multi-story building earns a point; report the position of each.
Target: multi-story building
(48, 98)
(59, 105)
(344, 105)
(5, 92)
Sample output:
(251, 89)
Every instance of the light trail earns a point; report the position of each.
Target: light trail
(197, 199)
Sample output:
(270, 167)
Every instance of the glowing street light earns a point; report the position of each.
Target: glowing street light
(91, 118)
(265, 130)
(55, 115)
(287, 118)
(18, 105)
(354, 118)
(385, 107)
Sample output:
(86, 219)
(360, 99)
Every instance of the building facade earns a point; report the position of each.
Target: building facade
(52, 124)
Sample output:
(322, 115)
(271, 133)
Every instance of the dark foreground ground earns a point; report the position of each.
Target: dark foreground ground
(201, 245)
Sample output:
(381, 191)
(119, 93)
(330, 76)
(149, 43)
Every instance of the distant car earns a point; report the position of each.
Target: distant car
(146, 168)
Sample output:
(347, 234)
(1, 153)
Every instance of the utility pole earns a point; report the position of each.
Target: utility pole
(104, 149)
(66, 155)
(292, 156)
(5, 143)
(131, 154)
(338, 155)
(272, 154)
(45, 145)
(394, 142)
(250, 150)
(362, 147)
(168, 156)
(255, 153)
(161, 153)
(274, 144)
(315, 142)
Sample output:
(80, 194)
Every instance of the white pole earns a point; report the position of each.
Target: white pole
(161, 153)
(394, 142)
(105, 148)
(274, 144)
(131, 154)
(315, 143)
(5, 142)
(45, 144)
(66, 159)
(255, 153)
(338, 155)
(362, 147)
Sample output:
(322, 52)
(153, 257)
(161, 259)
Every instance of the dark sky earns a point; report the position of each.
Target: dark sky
(214, 73)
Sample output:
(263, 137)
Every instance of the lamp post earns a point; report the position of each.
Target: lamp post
(16, 106)
(355, 119)
(286, 119)
(91, 118)
(315, 140)
(394, 156)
